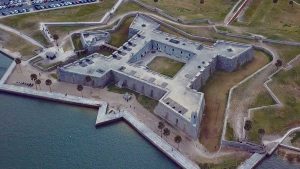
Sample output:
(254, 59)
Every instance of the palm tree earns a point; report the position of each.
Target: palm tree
(248, 125)
(261, 132)
(275, 1)
(201, 1)
(56, 37)
(18, 62)
(177, 140)
(88, 78)
(160, 126)
(48, 82)
(80, 88)
(291, 2)
(278, 63)
(38, 82)
(166, 132)
(155, 0)
(33, 77)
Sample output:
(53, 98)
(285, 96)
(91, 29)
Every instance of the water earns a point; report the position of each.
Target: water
(276, 162)
(4, 63)
(41, 134)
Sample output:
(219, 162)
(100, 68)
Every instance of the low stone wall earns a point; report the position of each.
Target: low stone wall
(282, 42)
(247, 146)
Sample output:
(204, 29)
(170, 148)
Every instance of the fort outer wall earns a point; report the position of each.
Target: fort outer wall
(177, 120)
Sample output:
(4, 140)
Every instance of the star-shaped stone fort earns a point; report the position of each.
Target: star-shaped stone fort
(180, 102)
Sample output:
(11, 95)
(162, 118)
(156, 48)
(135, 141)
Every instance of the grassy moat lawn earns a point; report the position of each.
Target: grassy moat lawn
(286, 85)
(165, 66)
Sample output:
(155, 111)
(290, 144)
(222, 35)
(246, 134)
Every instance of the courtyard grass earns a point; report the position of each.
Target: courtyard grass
(15, 43)
(29, 23)
(275, 21)
(146, 102)
(285, 85)
(215, 10)
(165, 66)
(216, 92)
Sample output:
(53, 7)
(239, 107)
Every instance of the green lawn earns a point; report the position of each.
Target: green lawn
(120, 36)
(146, 102)
(128, 7)
(276, 21)
(29, 23)
(165, 66)
(229, 133)
(286, 86)
(262, 99)
(295, 141)
(77, 42)
(192, 9)
(15, 43)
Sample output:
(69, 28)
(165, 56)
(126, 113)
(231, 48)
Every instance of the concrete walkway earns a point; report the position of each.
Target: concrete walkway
(50, 96)
(252, 161)
(106, 117)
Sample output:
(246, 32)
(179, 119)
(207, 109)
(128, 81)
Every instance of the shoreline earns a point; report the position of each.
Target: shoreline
(160, 144)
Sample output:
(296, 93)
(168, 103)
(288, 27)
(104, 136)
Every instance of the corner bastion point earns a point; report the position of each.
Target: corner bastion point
(180, 102)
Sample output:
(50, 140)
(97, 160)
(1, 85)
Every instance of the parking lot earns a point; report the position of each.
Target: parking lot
(14, 7)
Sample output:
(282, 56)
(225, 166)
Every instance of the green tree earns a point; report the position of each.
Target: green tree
(248, 126)
(177, 140)
(48, 82)
(38, 82)
(18, 62)
(160, 126)
(80, 88)
(166, 132)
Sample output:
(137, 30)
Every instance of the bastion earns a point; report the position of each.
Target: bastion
(180, 102)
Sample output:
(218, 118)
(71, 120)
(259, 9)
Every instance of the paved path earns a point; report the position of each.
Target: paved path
(148, 134)
(50, 95)
(252, 161)
(18, 33)
(238, 11)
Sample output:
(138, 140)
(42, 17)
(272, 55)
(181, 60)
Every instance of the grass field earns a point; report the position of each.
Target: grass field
(286, 85)
(296, 139)
(216, 93)
(262, 99)
(120, 36)
(166, 66)
(285, 52)
(14, 43)
(77, 42)
(276, 21)
(29, 23)
(128, 7)
(192, 9)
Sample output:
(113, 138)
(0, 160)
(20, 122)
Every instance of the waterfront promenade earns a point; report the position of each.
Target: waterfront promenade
(105, 117)
(102, 117)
